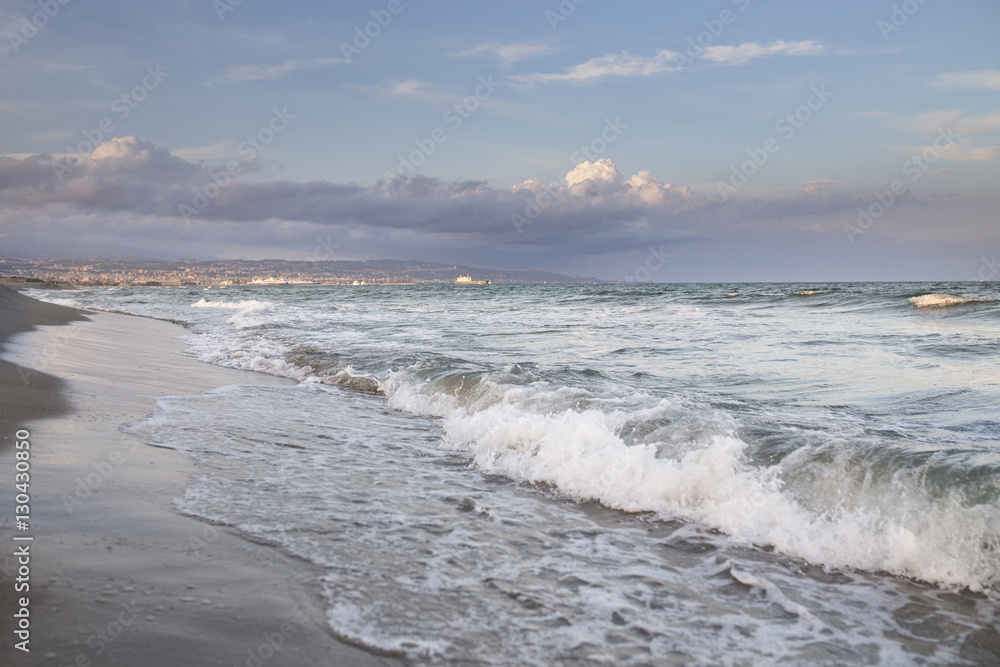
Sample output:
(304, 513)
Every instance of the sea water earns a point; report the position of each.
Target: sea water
(610, 474)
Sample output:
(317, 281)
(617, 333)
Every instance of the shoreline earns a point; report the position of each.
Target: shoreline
(117, 574)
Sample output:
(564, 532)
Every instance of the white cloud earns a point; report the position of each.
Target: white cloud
(220, 150)
(985, 79)
(602, 171)
(507, 53)
(647, 188)
(125, 148)
(407, 88)
(49, 136)
(410, 87)
(413, 89)
(602, 180)
(818, 185)
(133, 191)
(978, 124)
(955, 152)
(611, 65)
(972, 153)
(952, 125)
(271, 72)
(628, 66)
(933, 121)
(743, 53)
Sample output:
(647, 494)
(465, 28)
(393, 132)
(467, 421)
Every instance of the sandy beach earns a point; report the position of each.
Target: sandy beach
(117, 575)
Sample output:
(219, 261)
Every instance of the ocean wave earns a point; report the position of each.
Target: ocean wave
(591, 437)
(352, 379)
(937, 300)
(585, 446)
(810, 292)
(248, 313)
(71, 303)
(230, 305)
(635, 452)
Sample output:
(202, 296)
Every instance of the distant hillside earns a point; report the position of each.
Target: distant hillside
(98, 271)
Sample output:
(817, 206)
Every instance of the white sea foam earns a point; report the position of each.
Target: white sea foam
(348, 377)
(429, 558)
(540, 433)
(49, 296)
(943, 300)
(810, 292)
(72, 303)
(776, 596)
(353, 622)
(205, 303)
(523, 433)
(247, 313)
(418, 568)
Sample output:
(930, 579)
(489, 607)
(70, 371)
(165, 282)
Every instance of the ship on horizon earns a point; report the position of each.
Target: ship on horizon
(467, 280)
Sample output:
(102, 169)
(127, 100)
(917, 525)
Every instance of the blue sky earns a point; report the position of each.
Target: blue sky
(679, 105)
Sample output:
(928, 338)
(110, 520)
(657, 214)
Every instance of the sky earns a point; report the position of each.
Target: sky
(634, 140)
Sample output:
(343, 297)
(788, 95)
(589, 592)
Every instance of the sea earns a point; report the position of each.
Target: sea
(623, 474)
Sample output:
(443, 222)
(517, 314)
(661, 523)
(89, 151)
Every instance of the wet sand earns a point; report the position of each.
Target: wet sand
(117, 575)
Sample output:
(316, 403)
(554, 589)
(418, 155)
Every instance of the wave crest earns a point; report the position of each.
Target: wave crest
(936, 300)
(586, 448)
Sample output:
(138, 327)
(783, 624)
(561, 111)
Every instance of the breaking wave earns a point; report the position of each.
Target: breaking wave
(944, 300)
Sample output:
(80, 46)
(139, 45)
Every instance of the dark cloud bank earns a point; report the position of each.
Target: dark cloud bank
(594, 220)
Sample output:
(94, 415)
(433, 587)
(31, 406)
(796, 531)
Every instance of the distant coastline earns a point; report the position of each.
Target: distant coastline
(47, 272)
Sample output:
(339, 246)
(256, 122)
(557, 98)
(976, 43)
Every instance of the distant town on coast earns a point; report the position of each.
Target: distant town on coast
(155, 273)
